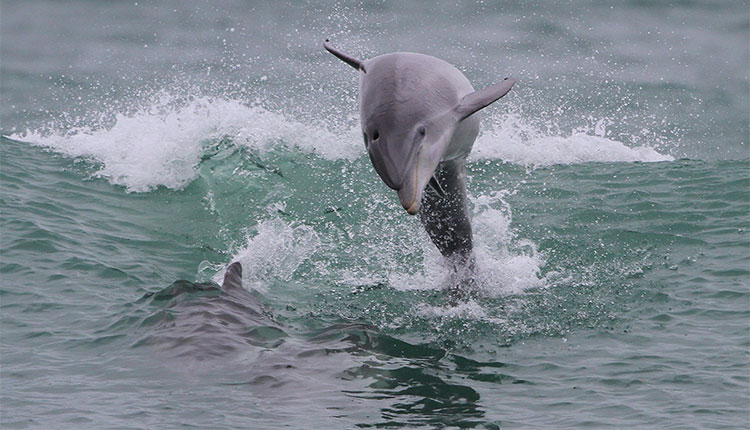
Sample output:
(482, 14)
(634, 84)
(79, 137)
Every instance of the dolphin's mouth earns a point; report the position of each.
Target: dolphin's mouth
(410, 196)
(411, 174)
(418, 178)
(433, 185)
(393, 164)
(413, 209)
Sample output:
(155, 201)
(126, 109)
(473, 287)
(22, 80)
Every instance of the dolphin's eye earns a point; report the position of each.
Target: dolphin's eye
(421, 130)
(375, 135)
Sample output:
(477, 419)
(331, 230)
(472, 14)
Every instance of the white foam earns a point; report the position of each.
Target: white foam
(274, 253)
(505, 263)
(464, 310)
(513, 140)
(162, 145)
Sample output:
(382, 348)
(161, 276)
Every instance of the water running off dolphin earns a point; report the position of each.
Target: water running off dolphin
(419, 121)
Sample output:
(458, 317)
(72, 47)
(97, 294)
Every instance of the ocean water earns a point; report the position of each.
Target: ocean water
(147, 145)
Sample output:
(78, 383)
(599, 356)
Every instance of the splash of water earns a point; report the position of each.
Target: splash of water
(274, 253)
(162, 145)
(514, 140)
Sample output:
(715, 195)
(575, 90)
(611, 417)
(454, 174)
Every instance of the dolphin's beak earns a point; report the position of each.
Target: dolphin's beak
(410, 193)
(419, 175)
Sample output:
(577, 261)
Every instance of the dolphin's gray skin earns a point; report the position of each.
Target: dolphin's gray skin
(204, 321)
(419, 120)
(207, 321)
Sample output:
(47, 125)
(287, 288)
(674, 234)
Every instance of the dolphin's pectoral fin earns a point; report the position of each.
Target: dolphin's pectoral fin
(346, 58)
(477, 100)
(435, 186)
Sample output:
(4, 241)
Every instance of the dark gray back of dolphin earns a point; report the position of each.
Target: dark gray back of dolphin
(199, 321)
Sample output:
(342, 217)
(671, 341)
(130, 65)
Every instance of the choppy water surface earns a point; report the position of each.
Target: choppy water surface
(147, 145)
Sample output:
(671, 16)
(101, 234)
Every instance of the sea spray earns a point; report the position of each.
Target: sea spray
(162, 144)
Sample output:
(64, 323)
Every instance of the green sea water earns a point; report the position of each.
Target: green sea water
(148, 145)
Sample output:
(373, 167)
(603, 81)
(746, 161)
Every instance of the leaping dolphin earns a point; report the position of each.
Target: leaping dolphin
(419, 120)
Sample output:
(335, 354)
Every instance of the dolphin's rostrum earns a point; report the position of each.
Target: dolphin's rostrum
(419, 123)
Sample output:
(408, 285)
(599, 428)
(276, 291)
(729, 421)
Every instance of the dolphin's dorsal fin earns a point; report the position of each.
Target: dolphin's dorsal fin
(477, 100)
(346, 58)
(232, 277)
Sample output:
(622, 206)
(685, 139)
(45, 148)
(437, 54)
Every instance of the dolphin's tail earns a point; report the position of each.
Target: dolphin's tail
(232, 277)
(346, 58)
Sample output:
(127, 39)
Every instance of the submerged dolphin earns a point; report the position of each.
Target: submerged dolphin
(202, 321)
(419, 122)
